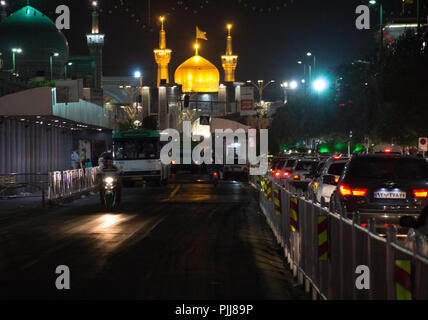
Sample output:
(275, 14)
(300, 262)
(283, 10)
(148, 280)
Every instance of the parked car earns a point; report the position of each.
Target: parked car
(325, 181)
(384, 186)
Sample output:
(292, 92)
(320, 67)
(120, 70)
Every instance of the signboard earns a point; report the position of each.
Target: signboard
(423, 144)
(247, 101)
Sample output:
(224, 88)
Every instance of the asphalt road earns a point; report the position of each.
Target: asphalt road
(187, 240)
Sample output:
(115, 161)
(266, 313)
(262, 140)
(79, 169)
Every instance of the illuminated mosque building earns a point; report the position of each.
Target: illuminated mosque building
(199, 80)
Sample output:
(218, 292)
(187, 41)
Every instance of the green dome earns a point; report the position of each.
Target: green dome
(36, 35)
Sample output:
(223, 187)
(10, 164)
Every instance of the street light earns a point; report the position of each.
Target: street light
(293, 85)
(373, 3)
(139, 75)
(56, 54)
(320, 84)
(309, 54)
(14, 52)
(69, 64)
(260, 86)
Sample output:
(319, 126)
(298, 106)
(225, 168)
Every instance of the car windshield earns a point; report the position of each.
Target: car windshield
(306, 165)
(336, 169)
(389, 168)
(279, 164)
(290, 163)
(136, 149)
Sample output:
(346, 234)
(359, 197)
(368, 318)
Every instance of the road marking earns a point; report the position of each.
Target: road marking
(173, 193)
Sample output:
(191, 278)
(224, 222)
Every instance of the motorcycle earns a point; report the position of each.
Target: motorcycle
(110, 191)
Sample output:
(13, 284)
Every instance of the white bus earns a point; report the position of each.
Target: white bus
(137, 154)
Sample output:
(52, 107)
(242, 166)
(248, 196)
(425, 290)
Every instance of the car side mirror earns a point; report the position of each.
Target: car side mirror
(329, 179)
(408, 222)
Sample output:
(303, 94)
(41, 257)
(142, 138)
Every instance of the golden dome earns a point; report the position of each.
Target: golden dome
(198, 75)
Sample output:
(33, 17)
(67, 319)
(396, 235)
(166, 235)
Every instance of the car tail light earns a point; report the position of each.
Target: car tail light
(337, 157)
(336, 180)
(387, 150)
(364, 225)
(346, 190)
(359, 192)
(296, 177)
(173, 162)
(286, 174)
(420, 193)
(215, 174)
(277, 174)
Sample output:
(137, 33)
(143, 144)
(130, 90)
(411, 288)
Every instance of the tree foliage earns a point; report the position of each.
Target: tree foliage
(384, 96)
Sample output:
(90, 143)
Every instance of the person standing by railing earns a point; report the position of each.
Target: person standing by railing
(83, 159)
(75, 160)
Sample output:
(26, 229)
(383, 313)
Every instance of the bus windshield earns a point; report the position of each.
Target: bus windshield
(136, 149)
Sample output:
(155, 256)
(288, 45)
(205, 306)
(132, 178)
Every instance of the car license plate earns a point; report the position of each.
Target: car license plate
(390, 195)
(236, 169)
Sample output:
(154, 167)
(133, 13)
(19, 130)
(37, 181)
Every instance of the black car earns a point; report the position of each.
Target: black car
(386, 187)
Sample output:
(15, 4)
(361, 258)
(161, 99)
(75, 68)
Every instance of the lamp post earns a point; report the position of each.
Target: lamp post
(309, 54)
(14, 52)
(373, 3)
(138, 75)
(56, 54)
(260, 86)
(69, 64)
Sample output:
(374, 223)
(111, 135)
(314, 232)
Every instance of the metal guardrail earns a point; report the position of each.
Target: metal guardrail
(66, 184)
(22, 185)
(325, 249)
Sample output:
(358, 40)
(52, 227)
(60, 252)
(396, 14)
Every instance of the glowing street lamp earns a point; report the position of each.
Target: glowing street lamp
(69, 64)
(293, 85)
(373, 3)
(260, 86)
(14, 52)
(320, 85)
(139, 75)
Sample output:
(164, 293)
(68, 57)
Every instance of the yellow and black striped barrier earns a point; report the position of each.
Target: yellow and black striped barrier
(322, 238)
(403, 279)
(294, 212)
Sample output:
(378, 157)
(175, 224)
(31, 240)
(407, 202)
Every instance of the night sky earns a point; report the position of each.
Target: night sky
(268, 43)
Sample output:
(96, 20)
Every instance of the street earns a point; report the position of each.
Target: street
(187, 240)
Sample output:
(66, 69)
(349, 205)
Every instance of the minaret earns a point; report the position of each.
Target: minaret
(229, 60)
(3, 13)
(95, 43)
(162, 55)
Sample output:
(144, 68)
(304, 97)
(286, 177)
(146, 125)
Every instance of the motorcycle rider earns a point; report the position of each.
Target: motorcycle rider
(107, 166)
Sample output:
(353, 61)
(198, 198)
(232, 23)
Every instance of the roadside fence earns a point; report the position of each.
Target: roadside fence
(335, 257)
(69, 183)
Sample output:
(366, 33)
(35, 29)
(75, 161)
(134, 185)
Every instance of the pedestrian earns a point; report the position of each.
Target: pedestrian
(75, 160)
(83, 159)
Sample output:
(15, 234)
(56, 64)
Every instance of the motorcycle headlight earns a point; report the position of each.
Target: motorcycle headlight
(109, 180)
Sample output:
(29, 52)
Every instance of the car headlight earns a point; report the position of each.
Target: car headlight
(109, 180)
